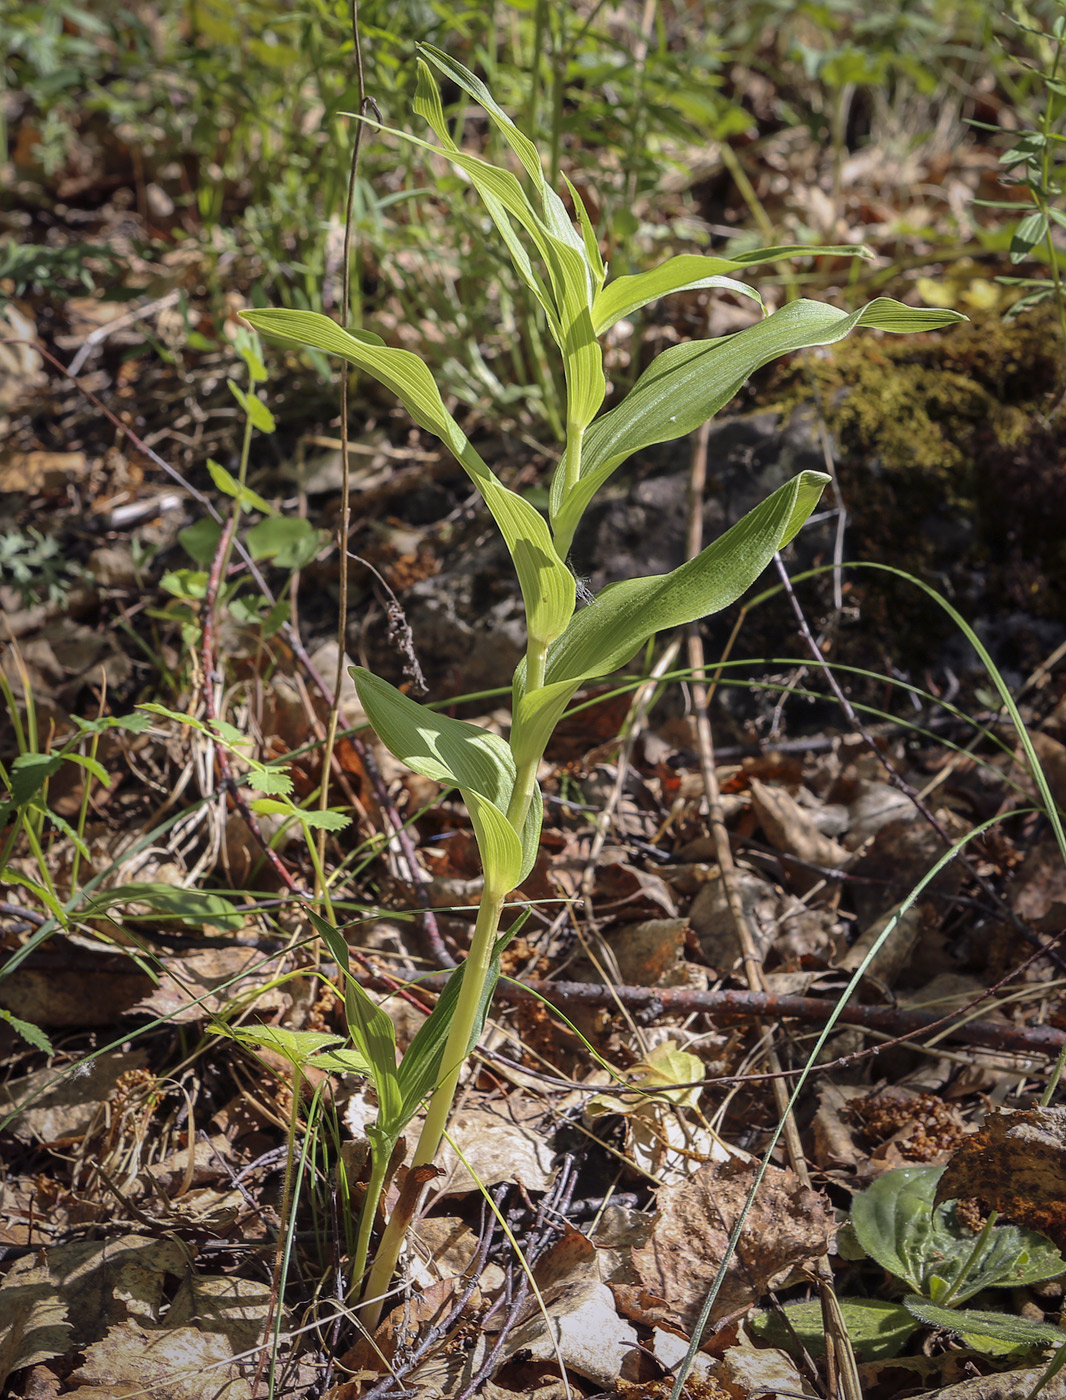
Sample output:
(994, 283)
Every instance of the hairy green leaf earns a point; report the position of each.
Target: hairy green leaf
(975, 1326)
(898, 1225)
(876, 1329)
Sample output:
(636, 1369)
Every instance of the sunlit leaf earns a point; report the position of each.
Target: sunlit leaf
(610, 631)
(478, 763)
(687, 384)
(899, 1225)
(230, 486)
(320, 821)
(547, 584)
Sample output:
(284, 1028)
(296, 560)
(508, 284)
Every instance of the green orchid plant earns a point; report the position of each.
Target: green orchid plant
(558, 258)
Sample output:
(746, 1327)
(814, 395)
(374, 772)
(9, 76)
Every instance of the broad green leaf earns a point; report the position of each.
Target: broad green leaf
(191, 906)
(609, 632)
(291, 542)
(461, 755)
(926, 1246)
(687, 384)
(497, 842)
(428, 106)
(258, 414)
(29, 773)
(228, 484)
(691, 271)
(185, 583)
(877, 1329)
(346, 1061)
(298, 1047)
(200, 541)
(975, 1326)
(320, 821)
(420, 1068)
(1029, 234)
(593, 257)
(547, 584)
(685, 273)
(250, 351)
(272, 782)
(574, 278)
(553, 209)
(370, 1028)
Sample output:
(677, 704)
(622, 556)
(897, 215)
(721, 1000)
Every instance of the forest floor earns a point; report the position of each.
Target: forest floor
(714, 869)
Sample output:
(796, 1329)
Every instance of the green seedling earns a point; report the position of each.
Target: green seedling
(897, 1223)
(944, 1264)
(559, 261)
(1034, 162)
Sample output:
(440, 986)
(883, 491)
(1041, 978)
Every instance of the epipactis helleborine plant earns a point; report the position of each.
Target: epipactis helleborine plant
(560, 262)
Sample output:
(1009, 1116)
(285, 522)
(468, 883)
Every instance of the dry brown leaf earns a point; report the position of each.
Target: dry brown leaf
(629, 894)
(33, 1318)
(197, 984)
(1017, 1164)
(583, 1326)
(651, 953)
(833, 1136)
(875, 805)
(1010, 1385)
(757, 1372)
(442, 1247)
(179, 1364)
(1039, 894)
(500, 1143)
(66, 1109)
(791, 829)
(713, 923)
(788, 1225)
(21, 370)
(73, 983)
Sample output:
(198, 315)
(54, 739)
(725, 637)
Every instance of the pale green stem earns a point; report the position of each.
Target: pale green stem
(526, 776)
(322, 884)
(379, 1165)
(83, 814)
(571, 461)
(440, 1105)
(461, 1032)
(970, 1261)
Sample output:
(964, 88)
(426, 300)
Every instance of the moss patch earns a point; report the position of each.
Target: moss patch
(948, 465)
